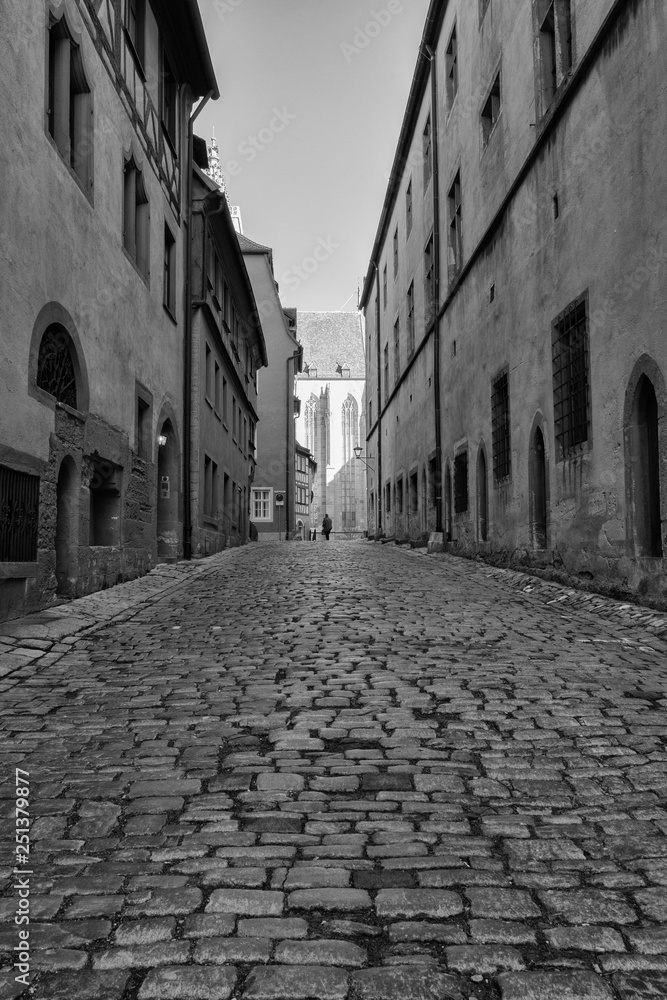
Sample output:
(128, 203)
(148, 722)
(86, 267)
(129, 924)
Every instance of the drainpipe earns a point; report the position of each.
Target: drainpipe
(380, 486)
(436, 263)
(289, 425)
(187, 339)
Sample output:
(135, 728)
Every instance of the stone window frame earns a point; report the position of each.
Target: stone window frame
(54, 314)
(267, 500)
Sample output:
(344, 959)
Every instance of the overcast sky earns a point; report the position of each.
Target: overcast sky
(312, 99)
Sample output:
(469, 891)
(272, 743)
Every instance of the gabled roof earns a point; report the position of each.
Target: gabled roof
(330, 339)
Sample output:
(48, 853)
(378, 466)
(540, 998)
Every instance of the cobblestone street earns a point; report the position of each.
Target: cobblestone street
(342, 772)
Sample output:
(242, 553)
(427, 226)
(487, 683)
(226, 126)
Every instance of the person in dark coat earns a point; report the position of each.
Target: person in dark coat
(327, 525)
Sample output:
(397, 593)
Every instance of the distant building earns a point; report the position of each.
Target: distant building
(95, 116)
(273, 504)
(332, 419)
(515, 300)
(227, 349)
(305, 469)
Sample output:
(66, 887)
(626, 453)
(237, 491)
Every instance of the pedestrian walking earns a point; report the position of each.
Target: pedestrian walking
(327, 525)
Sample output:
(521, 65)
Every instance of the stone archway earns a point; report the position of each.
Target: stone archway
(482, 498)
(67, 527)
(538, 489)
(168, 527)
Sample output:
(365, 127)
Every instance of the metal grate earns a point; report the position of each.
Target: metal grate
(500, 424)
(461, 482)
(19, 507)
(570, 377)
(55, 368)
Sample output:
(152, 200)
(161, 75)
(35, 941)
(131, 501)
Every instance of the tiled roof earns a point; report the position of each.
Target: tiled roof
(330, 339)
(249, 246)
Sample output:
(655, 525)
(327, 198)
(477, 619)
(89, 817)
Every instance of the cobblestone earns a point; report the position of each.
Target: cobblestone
(409, 778)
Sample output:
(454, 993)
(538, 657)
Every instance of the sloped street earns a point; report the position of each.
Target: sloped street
(340, 771)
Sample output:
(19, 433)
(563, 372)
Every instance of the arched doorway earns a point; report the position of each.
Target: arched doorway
(448, 503)
(482, 498)
(167, 494)
(645, 469)
(538, 490)
(67, 495)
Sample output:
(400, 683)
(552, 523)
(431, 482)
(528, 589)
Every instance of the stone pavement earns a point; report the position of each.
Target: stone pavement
(343, 772)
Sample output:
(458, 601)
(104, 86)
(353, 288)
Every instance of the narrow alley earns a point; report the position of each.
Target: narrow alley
(337, 771)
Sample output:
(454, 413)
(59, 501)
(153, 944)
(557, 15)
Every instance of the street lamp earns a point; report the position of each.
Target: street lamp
(362, 458)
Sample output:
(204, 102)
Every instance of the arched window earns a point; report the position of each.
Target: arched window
(55, 366)
(350, 427)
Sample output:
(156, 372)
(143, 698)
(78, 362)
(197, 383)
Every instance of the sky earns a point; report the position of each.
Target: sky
(313, 94)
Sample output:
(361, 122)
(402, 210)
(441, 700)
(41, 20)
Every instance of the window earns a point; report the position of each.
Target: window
(69, 103)
(134, 21)
(216, 386)
(169, 99)
(490, 112)
(452, 68)
(411, 319)
(208, 374)
(555, 50)
(143, 428)
(225, 415)
(397, 350)
(135, 216)
(408, 209)
(483, 7)
(396, 253)
(414, 493)
(461, 482)
(210, 487)
(234, 417)
(55, 366)
(261, 505)
(386, 372)
(105, 503)
(429, 281)
(387, 498)
(245, 436)
(455, 247)
(500, 424)
(370, 411)
(169, 292)
(19, 499)
(427, 151)
(384, 287)
(399, 496)
(570, 377)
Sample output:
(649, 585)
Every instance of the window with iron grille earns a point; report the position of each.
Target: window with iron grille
(500, 424)
(411, 319)
(427, 152)
(461, 482)
(570, 377)
(19, 505)
(55, 366)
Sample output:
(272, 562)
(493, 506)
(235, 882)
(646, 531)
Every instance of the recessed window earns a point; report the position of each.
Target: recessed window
(144, 421)
(411, 319)
(216, 387)
(427, 152)
(483, 7)
(210, 487)
(570, 378)
(555, 48)
(399, 496)
(455, 247)
(397, 350)
(429, 281)
(386, 371)
(384, 287)
(452, 68)
(408, 209)
(169, 99)
(500, 423)
(135, 216)
(169, 270)
(225, 400)
(387, 498)
(69, 102)
(208, 373)
(105, 503)
(134, 19)
(490, 111)
(396, 253)
(461, 482)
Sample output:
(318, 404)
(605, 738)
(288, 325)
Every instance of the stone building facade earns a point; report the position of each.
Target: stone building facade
(332, 421)
(515, 303)
(227, 349)
(273, 500)
(95, 113)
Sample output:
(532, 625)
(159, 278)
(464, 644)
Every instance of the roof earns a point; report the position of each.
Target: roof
(434, 19)
(249, 246)
(186, 28)
(332, 338)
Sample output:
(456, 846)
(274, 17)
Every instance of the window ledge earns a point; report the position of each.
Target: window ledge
(86, 191)
(144, 277)
(212, 521)
(17, 570)
(208, 401)
(170, 313)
